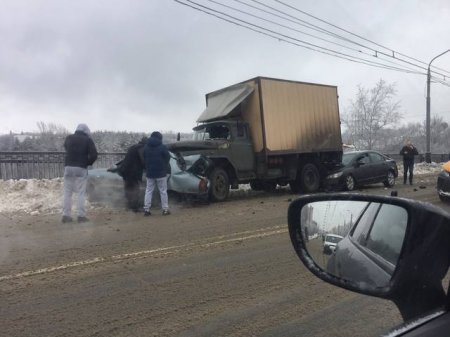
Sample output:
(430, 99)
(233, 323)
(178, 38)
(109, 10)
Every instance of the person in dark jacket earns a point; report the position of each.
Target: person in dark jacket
(131, 169)
(80, 153)
(156, 158)
(408, 152)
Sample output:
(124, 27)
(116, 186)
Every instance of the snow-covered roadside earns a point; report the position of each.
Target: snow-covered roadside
(32, 196)
(35, 196)
(422, 168)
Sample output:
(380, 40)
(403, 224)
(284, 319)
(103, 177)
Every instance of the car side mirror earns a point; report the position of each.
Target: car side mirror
(387, 247)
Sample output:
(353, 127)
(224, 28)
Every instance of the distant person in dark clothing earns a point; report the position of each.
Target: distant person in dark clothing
(408, 152)
(131, 169)
(156, 157)
(80, 153)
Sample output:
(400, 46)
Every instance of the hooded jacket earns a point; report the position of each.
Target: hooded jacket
(156, 157)
(80, 149)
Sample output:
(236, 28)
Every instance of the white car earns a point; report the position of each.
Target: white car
(330, 242)
(187, 178)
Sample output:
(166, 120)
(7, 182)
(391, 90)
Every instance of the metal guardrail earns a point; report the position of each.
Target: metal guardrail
(435, 157)
(48, 165)
(44, 165)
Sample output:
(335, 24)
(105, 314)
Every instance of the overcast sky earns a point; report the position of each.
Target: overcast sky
(144, 65)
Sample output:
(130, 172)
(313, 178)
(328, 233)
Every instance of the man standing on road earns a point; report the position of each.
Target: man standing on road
(408, 152)
(156, 157)
(131, 169)
(80, 153)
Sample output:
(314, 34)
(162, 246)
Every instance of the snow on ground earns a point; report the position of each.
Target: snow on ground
(44, 196)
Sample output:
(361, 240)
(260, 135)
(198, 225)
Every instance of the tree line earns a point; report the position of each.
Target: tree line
(370, 122)
(50, 137)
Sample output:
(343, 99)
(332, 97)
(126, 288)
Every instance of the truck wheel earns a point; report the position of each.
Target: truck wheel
(310, 178)
(219, 185)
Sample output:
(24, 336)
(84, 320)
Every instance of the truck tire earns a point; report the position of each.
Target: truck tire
(310, 178)
(219, 185)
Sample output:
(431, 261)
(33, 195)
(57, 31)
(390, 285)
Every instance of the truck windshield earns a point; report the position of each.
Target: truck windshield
(200, 135)
(212, 132)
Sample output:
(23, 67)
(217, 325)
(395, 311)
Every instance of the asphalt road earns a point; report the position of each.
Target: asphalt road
(224, 269)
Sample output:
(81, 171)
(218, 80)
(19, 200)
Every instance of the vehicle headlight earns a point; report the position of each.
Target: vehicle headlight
(335, 175)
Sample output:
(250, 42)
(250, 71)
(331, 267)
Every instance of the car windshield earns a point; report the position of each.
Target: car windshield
(212, 132)
(333, 239)
(256, 102)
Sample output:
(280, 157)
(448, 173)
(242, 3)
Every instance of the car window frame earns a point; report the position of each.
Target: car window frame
(381, 157)
(363, 156)
(369, 234)
(377, 259)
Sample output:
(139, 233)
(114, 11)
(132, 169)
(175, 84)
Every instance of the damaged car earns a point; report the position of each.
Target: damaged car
(187, 179)
(443, 183)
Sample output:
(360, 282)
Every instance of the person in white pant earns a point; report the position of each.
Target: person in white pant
(156, 158)
(80, 153)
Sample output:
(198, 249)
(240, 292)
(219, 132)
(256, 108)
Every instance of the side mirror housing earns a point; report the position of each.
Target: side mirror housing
(388, 247)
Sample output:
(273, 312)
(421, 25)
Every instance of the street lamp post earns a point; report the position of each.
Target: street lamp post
(428, 150)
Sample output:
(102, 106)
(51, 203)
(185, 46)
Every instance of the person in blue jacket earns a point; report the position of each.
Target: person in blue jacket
(156, 158)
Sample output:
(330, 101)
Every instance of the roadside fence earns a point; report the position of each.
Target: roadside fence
(48, 165)
(435, 157)
(44, 165)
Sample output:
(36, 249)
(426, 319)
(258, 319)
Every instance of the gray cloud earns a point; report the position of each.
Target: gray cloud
(140, 65)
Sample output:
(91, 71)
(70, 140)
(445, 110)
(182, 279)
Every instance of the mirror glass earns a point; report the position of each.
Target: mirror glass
(357, 241)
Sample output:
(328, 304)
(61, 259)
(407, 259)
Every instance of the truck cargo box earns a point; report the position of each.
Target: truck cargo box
(285, 117)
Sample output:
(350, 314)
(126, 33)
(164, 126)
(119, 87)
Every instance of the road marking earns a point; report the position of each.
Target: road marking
(218, 240)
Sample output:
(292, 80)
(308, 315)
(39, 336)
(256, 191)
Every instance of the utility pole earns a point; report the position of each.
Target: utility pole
(428, 150)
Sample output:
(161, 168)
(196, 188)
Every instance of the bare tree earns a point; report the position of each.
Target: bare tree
(51, 136)
(372, 111)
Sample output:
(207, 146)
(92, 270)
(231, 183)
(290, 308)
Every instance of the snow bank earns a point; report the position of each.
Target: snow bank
(44, 196)
(423, 168)
(32, 196)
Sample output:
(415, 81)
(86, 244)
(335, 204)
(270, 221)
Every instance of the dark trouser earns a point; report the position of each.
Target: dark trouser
(408, 165)
(132, 194)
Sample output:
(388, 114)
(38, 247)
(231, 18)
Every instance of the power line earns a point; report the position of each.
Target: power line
(299, 31)
(300, 43)
(346, 39)
(356, 35)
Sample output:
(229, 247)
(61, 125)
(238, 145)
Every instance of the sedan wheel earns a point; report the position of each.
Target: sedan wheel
(390, 179)
(350, 183)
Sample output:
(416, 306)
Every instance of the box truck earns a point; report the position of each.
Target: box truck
(267, 132)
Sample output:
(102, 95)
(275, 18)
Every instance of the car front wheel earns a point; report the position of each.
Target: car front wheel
(350, 183)
(390, 179)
